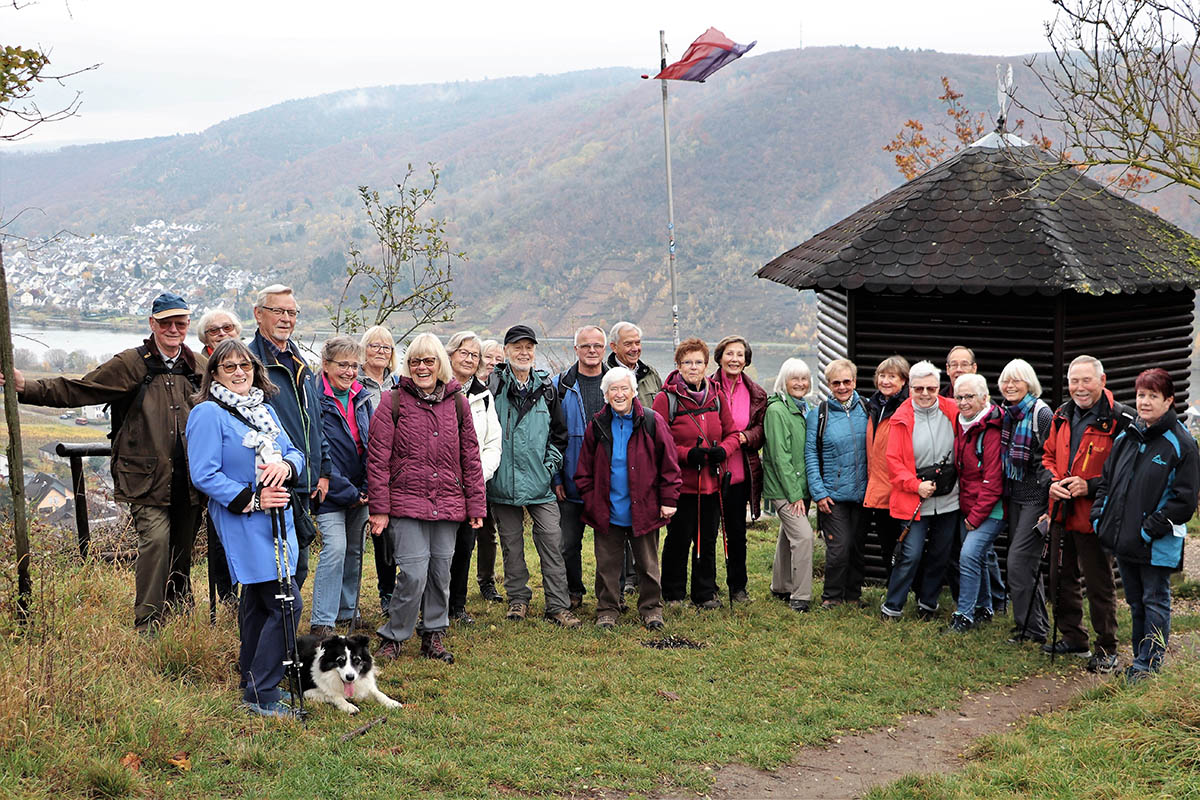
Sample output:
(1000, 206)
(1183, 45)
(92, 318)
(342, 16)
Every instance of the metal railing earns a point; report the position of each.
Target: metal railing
(77, 453)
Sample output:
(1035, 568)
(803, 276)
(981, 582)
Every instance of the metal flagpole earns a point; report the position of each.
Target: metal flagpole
(662, 50)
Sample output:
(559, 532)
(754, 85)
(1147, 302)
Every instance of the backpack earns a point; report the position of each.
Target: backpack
(673, 407)
(119, 409)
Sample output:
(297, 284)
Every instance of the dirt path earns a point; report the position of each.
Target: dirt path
(852, 765)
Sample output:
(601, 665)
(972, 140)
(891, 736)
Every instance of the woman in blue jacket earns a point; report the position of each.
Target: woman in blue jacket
(346, 410)
(1145, 497)
(241, 458)
(835, 458)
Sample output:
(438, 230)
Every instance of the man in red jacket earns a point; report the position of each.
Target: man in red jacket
(1080, 440)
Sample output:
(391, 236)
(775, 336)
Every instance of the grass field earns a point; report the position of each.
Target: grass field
(527, 710)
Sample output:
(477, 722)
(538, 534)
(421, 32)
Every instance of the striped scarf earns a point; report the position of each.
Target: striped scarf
(1016, 437)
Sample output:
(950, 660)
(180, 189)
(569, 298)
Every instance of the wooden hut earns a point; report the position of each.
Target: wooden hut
(990, 250)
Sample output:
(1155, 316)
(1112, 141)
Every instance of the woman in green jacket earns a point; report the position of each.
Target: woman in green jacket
(785, 484)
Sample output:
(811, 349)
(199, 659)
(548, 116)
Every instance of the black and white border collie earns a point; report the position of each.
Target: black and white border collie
(339, 669)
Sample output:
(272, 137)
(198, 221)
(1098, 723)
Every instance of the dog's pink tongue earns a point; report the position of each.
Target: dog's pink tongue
(348, 689)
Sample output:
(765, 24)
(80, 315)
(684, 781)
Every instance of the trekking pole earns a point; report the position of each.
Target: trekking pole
(1044, 559)
(287, 601)
(724, 536)
(699, 480)
(904, 534)
(1056, 534)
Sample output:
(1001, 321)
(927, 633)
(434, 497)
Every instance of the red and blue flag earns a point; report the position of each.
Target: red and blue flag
(705, 56)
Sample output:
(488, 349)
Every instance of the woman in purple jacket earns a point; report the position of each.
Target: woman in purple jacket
(628, 477)
(423, 479)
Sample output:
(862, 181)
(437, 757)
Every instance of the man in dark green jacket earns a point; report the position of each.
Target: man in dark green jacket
(298, 407)
(534, 440)
(150, 390)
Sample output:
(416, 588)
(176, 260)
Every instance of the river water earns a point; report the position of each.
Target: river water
(554, 353)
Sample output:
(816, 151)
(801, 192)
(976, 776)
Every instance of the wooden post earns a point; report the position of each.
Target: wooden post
(16, 459)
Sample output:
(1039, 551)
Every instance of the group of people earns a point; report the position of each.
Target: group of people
(439, 450)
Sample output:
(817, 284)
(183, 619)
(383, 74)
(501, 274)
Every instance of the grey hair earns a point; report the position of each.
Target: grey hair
(274, 288)
(341, 345)
(615, 332)
(585, 329)
(210, 316)
(1095, 362)
(615, 374)
(422, 346)
(923, 369)
(1020, 370)
(975, 382)
(378, 332)
(463, 337)
(792, 368)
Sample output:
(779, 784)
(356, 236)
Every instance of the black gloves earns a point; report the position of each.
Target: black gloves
(696, 456)
(1157, 525)
(715, 455)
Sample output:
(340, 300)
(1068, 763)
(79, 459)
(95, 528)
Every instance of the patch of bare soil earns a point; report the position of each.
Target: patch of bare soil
(850, 766)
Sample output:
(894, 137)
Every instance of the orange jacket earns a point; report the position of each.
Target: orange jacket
(879, 481)
(1094, 448)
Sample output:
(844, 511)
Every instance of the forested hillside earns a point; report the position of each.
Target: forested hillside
(553, 185)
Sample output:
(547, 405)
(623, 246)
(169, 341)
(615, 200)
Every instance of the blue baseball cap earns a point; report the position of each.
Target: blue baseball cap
(169, 304)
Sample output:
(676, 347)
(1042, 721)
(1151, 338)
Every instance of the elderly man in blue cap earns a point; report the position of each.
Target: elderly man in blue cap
(149, 389)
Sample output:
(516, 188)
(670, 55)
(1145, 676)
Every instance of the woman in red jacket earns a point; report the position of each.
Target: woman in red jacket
(704, 434)
(980, 497)
(628, 477)
(747, 403)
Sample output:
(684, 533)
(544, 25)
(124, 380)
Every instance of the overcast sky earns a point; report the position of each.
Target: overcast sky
(174, 67)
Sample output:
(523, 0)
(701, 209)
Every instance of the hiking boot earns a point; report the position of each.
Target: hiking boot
(606, 622)
(926, 614)
(1021, 638)
(800, 606)
(653, 623)
(1134, 675)
(983, 615)
(740, 596)
(1065, 648)
(783, 597)
(432, 647)
(462, 617)
(829, 605)
(1103, 663)
(388, 651)
(959, 624)
(517, 611)
(276, 709)
(323, 631)
(629, 589)
(351, 623)
(564, 619)
(673, 603)
(711, 604)
(576, 601)
(886, 617)
(487, 590)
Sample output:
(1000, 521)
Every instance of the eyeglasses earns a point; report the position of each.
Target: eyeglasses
(590, 346)
(427, 362)
(179, 323)
(835, 384)
(959, 364)
(467, 355)
(227, 328)
(282, 312)
(924, 389)
(380, 347)
(962, 398)
(692, 363)
(344, 365)
(230, 367)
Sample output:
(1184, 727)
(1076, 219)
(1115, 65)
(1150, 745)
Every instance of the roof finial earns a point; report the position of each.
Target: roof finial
(1004, 93)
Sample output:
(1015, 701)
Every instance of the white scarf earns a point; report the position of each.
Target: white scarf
(263, 430)
(967, 423)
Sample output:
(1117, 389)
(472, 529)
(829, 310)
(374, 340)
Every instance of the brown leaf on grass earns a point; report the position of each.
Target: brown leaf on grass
(131, 760)
(181, 761)
(667, 694)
